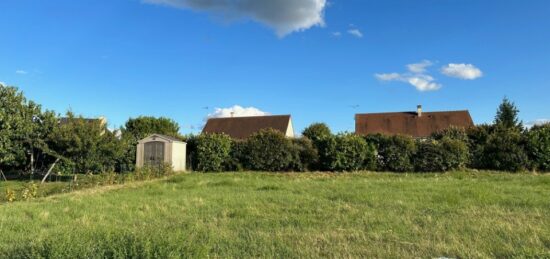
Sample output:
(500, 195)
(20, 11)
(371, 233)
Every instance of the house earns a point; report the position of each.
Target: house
(243, 127)
(160, 149)
(416, 124)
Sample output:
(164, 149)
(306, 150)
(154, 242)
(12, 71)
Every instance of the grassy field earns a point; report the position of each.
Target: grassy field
(239, 215)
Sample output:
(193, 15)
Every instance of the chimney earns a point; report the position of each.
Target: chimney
(419, 110)
(232, 114)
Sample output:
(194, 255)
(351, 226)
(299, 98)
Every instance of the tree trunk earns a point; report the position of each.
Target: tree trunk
(49, 171)
(3, 176)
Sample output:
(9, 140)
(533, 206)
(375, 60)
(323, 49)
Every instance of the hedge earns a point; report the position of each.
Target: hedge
(212, 152)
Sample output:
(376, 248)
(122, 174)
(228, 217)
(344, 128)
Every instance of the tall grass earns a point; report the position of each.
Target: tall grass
(241, 215)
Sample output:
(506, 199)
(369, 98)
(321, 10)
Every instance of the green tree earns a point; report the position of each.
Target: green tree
(87, 145)
(24, 130)
(317, 132)
(507, 115)
(538, 146)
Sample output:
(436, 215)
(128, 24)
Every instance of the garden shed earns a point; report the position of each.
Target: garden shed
(158, 149)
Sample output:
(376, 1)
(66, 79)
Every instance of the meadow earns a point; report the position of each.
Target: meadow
(295, 215)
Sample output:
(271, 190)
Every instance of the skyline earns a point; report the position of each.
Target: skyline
(187, 60)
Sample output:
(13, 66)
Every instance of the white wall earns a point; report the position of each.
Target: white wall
(179, 151)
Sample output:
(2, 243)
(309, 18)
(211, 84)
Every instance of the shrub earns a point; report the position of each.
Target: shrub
(317, 132)
(440, 155)
(212, 152)
(477, 139)
(504, 150)
(306, 157)
(269, 150)
(452, 133)
(348, 152)
(538, 146)
(394, 152)
(236, 156)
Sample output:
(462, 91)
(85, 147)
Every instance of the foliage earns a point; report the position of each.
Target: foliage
(440, 155)
(505, 150)
(269, 150)
(394, 152)
(10, 195)
(306, 155)
(212, 152)
(507, 115)
(317, 132)
(477, 139)
(236, 156)
(348, 152)
(452, 133)
(538, 146)
(24, 130)
(87, 146)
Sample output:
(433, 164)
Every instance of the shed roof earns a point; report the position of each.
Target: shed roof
(409, 123)
(166, 137)
(243, 127)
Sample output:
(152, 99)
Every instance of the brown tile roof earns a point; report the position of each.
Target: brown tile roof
(409, 123)
(243, 127)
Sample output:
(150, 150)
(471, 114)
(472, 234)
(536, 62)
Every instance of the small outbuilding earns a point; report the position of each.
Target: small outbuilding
(161, 149)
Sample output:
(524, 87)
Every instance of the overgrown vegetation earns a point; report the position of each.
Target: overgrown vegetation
(33, 141)
(310, 215)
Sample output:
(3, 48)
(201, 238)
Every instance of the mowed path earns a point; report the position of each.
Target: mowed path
(311, 215)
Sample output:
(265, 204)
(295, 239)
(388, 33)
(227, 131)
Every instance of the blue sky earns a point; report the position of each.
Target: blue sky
(184, 58)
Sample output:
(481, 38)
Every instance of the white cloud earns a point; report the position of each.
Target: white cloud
(236, 111)
(419, 67)
(355, 32)
(285, 16)
(462, 71)
(417, 77)
(537, 122)
(21, 72)
(336, 34)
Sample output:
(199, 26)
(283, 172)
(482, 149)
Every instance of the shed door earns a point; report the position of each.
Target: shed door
(154, 153)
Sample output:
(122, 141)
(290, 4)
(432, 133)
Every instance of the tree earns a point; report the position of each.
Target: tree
(507, 115)
(538, 146)
(24, 130)
(87, 145)
(317, 132)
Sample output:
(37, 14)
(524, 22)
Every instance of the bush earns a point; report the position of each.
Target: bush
(440, 155)
(317, 132)
(505, 150)
(394, 152)
(452, 133)
(306, 157)
(347, 152)
(212, 152)
(269, 150)
(236, 156)
(477, 139)
(538, 147)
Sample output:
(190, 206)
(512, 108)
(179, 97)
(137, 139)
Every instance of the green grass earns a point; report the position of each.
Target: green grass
(242, 215)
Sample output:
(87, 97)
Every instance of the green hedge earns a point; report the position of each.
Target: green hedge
(347, 152)
(212, 152)
(440, 155)
(538, 147)
(269, 150)
(395, 153)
